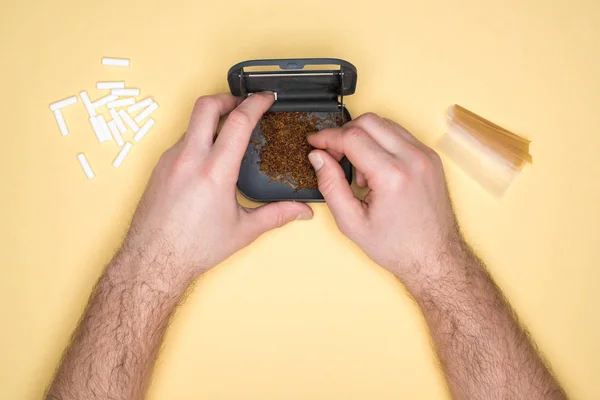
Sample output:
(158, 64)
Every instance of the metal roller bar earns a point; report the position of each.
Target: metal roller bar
(253, 75)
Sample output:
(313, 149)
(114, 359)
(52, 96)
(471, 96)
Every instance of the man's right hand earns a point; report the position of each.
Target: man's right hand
(406, 220)
(406, 224)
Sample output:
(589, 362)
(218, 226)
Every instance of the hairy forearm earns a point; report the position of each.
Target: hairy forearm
(116, 343)
(483, 350)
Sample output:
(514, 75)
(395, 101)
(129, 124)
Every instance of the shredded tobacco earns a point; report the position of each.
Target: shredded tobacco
(284, 155)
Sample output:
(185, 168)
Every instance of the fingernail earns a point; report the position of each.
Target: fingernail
(316, 160)
(305, 215)
(269, 93)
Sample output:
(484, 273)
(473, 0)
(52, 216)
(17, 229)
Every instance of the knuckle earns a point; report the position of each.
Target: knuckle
(205, 173)
(421, 162)
(239, 118)
(204, 102)
(182, 163)
(280, 220)
(328, 181)
(327, 185)
(397, 179)
(209, 174)
(355, 134)
(369, 117)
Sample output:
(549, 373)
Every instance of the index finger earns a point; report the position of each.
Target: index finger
(360, 148)
(231, 144)
(205, 118)
(391, 136)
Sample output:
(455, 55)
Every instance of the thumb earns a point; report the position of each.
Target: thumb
(276, 215)
(334, 187)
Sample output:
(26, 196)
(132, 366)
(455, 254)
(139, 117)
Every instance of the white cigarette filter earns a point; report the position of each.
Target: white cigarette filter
(129, 121)
(112, 125)
(122, 154)
(86, 166)
(63, 103)
(143, 130)
(102, 127)
(87, 103)
(146, 113)
(104, 100)
(118, 121)
(115, 62)
(125, 92)
(139, 105)
(121, 103)
(97, 130)
(110, 85)
(61, 123)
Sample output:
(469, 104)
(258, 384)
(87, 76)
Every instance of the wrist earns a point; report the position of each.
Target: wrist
(147, 265)
(167, 249)
(447, 265)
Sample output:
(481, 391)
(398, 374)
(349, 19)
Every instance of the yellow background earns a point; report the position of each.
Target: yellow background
(301, 313)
